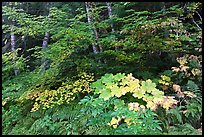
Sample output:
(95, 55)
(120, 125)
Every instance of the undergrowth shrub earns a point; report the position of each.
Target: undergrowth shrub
(126, 104)
(184, 82)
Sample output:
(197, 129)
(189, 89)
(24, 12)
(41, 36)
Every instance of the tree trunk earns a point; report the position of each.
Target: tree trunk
(44, 45)
(96, 47)
(44, 61)
(166, 33)
(13, 44)
(24, 43)
(45, 40)
(110, 14)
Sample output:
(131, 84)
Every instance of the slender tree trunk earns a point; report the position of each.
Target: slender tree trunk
(95, 30)
(166, 33)
(24, 42)
(97, 39)
(45, 40)
(96, 47)
(44, 61)
(13, 44)
(110, 14)
(44, 45)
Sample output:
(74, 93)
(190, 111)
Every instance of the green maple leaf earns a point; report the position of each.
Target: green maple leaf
(107, 78)
(105, 94)
(116, 91)
(157, 93)
(119, 76)
(109, 84)
(98, 86)
(134, 85)
(139, 93)
(148, 86)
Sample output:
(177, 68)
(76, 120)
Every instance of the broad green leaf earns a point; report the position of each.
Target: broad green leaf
(139, 93)
(157, 93)
(148, 86)
(119, 76)
(105, 94)
(116, 91)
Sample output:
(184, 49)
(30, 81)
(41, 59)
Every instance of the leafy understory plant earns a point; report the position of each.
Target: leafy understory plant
(118, 118)
(137, 115)
(119, 85)
(64, 94)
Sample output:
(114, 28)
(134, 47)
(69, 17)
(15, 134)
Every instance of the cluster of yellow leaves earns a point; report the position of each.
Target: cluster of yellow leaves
(183, 61)
(165, 81)
(190, 94)
(115, 122)
(164, 101)
(168, 101)
(148, 92)
(136, 107)
(180, 94)
(145, 90)
(50, 98)
(83, 84)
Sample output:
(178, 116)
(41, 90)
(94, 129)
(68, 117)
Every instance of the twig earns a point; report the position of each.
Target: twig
(199, 15)
(196, 24)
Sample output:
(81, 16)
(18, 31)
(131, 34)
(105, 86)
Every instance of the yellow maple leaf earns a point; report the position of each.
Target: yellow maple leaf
(113, 121)
(166, 105)
(182, 60)
(133, 84)
(158, 100)
(151, 105)
(127, 120)
(139, 93)
(124, 90)
(195, 71)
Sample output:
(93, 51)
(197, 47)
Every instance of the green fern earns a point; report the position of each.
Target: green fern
(185, 129)
(175, 115)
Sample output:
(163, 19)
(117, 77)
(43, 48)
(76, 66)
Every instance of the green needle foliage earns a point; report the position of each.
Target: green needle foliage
(101, 68)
